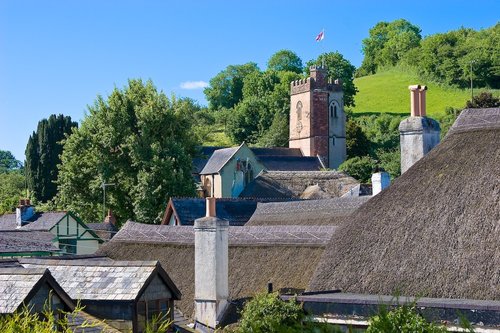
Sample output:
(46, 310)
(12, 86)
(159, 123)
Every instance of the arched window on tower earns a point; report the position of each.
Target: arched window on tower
(333, 110)
(299, 110)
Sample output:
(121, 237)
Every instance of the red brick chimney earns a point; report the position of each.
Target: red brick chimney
(110, 218)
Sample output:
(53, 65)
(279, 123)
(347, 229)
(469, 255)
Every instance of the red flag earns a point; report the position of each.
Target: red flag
(320, 36)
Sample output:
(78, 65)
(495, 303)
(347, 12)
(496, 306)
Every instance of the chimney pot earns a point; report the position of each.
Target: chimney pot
(211, 207)
(415, 100)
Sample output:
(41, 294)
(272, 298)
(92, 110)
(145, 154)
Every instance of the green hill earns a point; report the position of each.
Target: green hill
(388, 92)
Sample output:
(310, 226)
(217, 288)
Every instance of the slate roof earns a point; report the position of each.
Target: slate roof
(266, 187)
(25, 241)
(255, 235)
(306, 212)
(218, 159)
(202, 157)
(18, 285)
(104, 230)
(15, 285)
(100, 280)
(44, 221)
(236, 211)
(8, 222)
(435, 231)
(276, 151)
(294, 183)
(290, 163)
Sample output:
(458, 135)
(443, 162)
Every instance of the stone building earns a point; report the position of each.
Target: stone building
(317, 118)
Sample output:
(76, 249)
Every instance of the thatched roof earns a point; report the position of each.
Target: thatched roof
(306, 212)
(286, 257)
(293, 183)
(436, 231)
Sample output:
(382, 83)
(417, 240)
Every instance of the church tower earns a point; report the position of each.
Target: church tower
(317, 118)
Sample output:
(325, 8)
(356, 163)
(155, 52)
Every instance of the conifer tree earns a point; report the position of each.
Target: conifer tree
(43, 155)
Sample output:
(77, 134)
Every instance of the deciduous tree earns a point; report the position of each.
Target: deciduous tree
(137, 139)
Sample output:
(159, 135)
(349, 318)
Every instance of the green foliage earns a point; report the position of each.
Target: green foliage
(43, 155)
(27, 321)
(137, 139)
(338, 68)
(390, 161)
(356, 141)
(452, 58)
(387, 44)
(8, 162)
(361, 168)
(483, 100)
(402, 319)
(285, 60)
(268, 313)
(225, 90)
(12, 188)
(262, 115)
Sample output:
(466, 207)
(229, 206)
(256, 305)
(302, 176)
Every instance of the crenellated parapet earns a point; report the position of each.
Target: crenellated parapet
(300, 86)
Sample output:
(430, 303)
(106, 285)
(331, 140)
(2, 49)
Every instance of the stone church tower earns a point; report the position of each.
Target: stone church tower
(317, 118)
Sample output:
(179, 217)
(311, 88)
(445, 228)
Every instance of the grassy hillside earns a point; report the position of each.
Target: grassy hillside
(388, 92)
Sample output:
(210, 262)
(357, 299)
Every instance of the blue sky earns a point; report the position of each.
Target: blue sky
(56, 56)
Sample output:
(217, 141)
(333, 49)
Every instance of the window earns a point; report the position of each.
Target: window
(299, 110)
(333, 110)
(67, 245)
(147, 310)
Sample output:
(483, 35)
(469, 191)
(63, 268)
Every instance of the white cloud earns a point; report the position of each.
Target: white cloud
(194, 85)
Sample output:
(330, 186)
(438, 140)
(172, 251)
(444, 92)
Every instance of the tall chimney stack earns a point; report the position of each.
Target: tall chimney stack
(211, 268)
(418, 133)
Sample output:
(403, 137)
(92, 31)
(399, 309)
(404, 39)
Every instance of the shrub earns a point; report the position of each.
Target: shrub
(401, 320)
(268, 313)
(360, 168)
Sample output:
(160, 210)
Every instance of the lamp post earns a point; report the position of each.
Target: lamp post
(104, 195)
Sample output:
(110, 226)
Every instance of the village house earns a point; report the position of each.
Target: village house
(431, 234)
(32, 289)
(107, 229)
(316, 142)
(126, 294)
(71, 235)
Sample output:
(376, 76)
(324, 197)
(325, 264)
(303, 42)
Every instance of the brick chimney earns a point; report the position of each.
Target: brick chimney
(110, 218)
(24, 211)
(418, 133)
(211, 268)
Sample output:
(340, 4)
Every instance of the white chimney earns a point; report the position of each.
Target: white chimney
(380, 181)
(418, 133)
(210, 268)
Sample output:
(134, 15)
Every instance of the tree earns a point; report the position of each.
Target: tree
(43, 152)
(266, 101)
(285, 60)
(361, 168)
(12, 188)
(356, 141)
(137, 139)
(338, 68)
(387, 43)
(8, 162)
(225, 90)
(483, 100)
